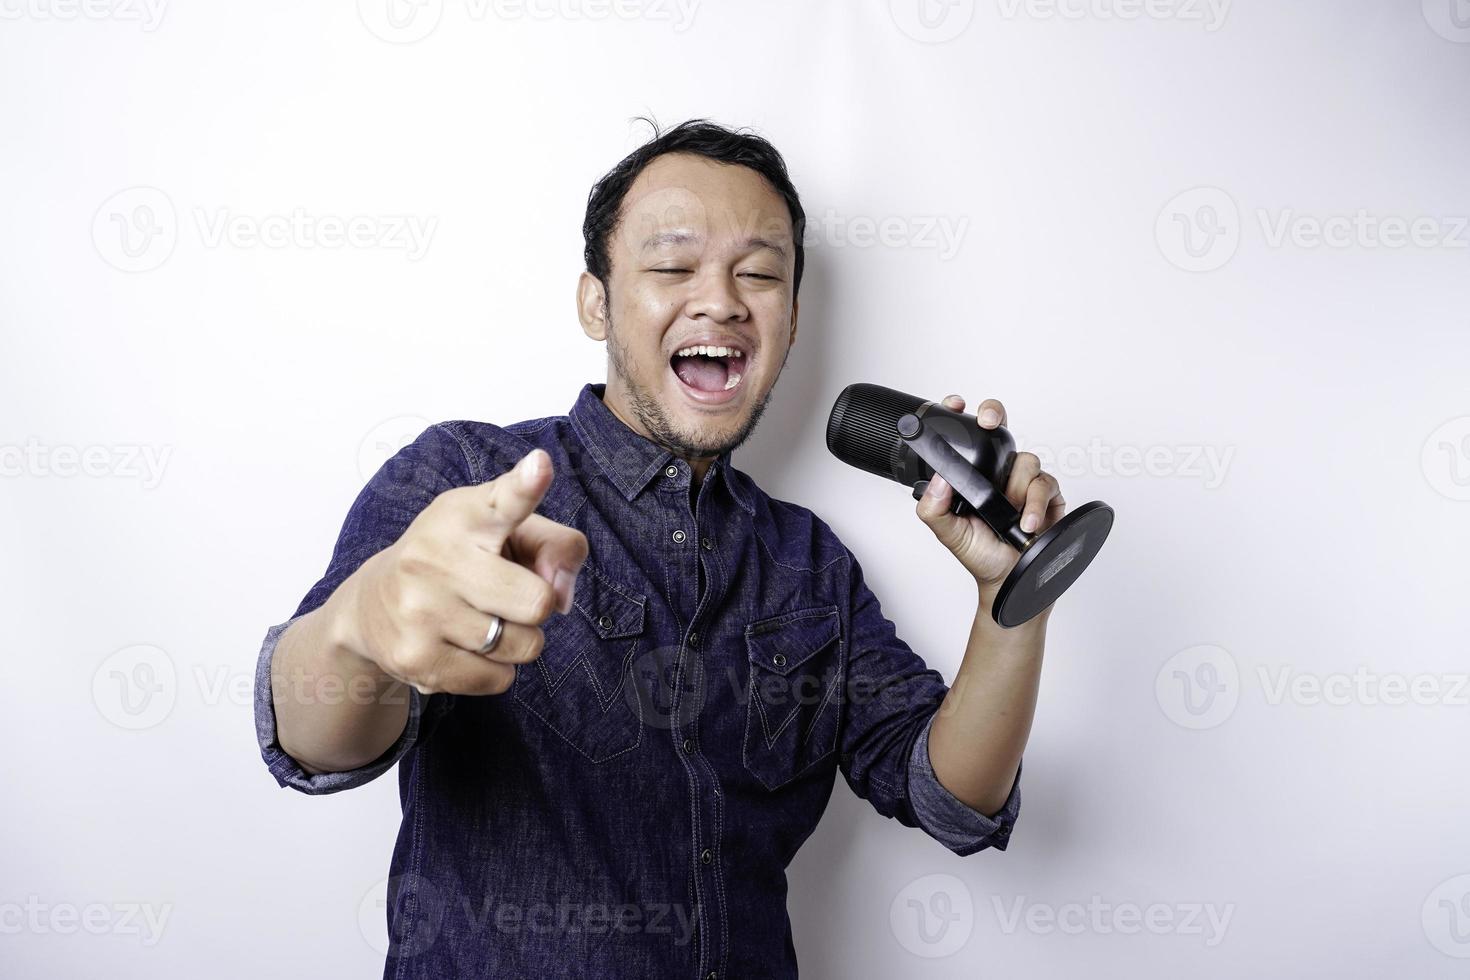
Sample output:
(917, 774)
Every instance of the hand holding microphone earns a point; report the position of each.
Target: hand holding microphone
(992, 507)
(1034, 494)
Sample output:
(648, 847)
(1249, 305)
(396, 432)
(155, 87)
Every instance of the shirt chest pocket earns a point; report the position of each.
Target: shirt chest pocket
(581, 685)
(796, 673)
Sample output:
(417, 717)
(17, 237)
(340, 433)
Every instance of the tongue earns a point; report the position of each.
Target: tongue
(704, 373)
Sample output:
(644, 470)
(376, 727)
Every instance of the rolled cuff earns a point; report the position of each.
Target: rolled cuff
(943, 816)
(286, 770)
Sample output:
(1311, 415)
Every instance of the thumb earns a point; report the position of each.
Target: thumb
(514, 495)
(933, 510)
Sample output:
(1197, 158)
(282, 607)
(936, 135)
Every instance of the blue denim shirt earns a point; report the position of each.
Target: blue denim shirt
(629, 807)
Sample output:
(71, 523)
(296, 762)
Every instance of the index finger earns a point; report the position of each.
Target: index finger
(544, 546)
(513, 496)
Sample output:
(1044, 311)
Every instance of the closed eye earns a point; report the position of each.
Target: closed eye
(748, 275)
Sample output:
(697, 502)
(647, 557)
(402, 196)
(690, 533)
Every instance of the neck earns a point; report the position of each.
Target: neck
(615, 398)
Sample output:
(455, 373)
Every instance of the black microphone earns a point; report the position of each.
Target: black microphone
(908, 439)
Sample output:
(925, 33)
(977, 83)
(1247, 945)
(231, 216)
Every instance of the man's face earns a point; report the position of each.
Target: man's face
(703, 254)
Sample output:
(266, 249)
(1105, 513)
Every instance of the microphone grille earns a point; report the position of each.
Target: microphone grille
(862, 430)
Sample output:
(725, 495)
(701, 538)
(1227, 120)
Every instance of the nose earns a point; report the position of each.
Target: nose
(716, 298)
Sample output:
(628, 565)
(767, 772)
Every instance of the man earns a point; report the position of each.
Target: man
(617, 678)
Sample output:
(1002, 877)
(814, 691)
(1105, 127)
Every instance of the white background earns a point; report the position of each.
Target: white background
(1168, 766)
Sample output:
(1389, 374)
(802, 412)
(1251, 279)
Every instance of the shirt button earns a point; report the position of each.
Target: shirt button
(708, 544)
(689, 745)
(779, 660)
(693, 638)
(706, 856)
(712, 975)
(679, 537)
(671, 472)
(604, 623)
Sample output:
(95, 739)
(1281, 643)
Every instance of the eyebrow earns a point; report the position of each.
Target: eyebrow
(682, 238)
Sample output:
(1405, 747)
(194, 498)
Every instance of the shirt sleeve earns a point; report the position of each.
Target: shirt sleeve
(402, 487)
(946, 818)
(892, 696)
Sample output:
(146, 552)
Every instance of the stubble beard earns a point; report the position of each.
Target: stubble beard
(650, 411)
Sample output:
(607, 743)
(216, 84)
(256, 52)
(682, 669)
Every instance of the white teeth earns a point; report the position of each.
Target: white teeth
(709, 351)
(732, 382)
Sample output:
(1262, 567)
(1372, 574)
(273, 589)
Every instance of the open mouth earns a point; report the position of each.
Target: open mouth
(712, 371)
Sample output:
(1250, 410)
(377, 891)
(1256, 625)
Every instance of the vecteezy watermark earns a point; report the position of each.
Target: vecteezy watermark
(408, 21)
(1102, 917)
(136, 687)
(932, 21)
(408, 233)
(1210, 13)
(1450, 19)
(1446, 917)
(421, 912)
(137, 230)
(120, 461)
(147, 14)
(140, 920)
(1364, 686)
(1198, 687)
(1186, 461)
(939, 233)
(1201, 230)
(1445, 459)
(385, 440)
(933, 916)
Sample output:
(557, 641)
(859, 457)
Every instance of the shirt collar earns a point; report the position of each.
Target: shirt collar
(631, 461)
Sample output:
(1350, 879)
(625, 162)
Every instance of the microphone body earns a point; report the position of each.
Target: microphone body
(908, 439)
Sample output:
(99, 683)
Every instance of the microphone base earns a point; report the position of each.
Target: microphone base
(1054, 560)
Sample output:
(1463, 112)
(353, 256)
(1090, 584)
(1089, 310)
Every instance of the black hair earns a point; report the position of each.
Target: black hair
(699, 136)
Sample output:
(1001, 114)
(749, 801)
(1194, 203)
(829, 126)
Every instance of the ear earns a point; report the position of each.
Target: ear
(590, 300)
(795, 309)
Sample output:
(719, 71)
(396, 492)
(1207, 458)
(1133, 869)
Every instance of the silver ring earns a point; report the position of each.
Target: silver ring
(497, 627)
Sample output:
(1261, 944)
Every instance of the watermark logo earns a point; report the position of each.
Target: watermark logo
(1104, 918)
(932, 21)
(400, 21)
(136, 229)
(147, 14)
(136, 920)
(942, 234)
(1450, 19)
(1208, 465)
(408, 21)
(1198, 687)
(933, 916)
(136, 687)
(1210, 13)
(661, 685)
(1363, 688)
(1199, 230)
(1446, 917)
(1445, 459)
(417, 913)
(385, 440)
(122, 461)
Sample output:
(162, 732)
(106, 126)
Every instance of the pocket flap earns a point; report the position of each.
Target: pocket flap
(612, 611)
(783, 643)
